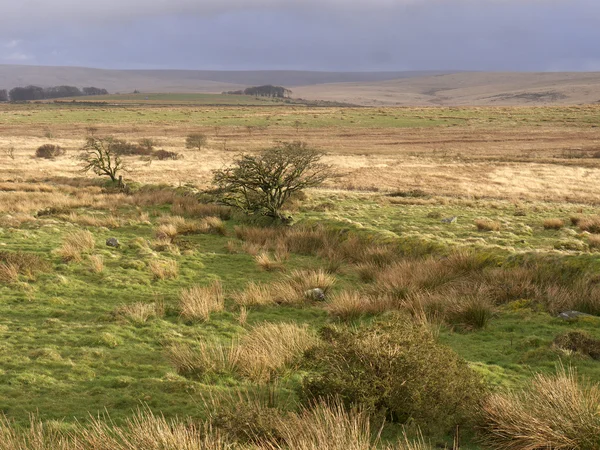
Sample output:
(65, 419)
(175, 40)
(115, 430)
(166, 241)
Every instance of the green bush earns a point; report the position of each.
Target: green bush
(395, 368)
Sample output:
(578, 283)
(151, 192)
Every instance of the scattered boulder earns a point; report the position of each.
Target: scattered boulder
(572, 315)
(316, 294)
(452, 219)
(113, 242)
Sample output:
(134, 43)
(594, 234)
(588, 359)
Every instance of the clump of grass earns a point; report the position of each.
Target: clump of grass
(166, 232)
(590, 224)
(554, 411)
(74, 244)
(214, 225)
(311, 279)
(594, 241)
(470, 312)
(580, 342)
(576, 219)
(269, 347)
(203, 359)
(190, 207)
(28, 264)
(164, 270)
(139, 312)
(553, 224)
(254, 295)
(9, 273)
(351, 305)
(96, 263)
(198, 302)
(265, 262)
(487, 225)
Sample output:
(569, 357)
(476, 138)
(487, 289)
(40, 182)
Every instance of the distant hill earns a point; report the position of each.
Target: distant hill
(429, 88)
(181, 80)
(466, 88)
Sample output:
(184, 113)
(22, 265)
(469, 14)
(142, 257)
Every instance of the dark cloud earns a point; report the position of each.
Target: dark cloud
(304, 34)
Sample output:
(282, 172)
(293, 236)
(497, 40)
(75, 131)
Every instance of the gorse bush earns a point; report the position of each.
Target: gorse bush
(553, 412)
(396, 368)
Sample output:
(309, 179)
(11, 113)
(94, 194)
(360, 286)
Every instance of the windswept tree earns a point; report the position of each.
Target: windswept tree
(263, 183)
(100, 157)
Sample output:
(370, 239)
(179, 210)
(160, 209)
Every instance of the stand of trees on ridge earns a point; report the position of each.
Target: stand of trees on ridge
(31, 92)
(267, 90)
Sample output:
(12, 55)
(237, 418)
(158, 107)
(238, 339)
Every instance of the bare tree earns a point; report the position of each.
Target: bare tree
(264, 183)
(100, 157)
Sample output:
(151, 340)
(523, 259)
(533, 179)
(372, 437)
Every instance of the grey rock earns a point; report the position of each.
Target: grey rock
(113, 242)
(571, 315)
(452, 219)
(315, 294)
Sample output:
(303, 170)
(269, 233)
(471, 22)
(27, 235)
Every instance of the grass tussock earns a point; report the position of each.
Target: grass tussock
(88, 220)
(164, 270)
(269, 264)
(580, 342)
(553, 224)
(76, 243)
(9, 273)
(198, 302)
(13, 264)
(304, 280)
(351, 305)
(96, 263)
(166, 232)
(254, 295)
(139, 312)
(555, 411)
(269, 347)
(590, 224)
(487, 225)
(205, 358)
(190, 207)
(594, 241)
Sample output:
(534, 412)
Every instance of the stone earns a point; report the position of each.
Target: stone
(315, 294)
(452, 219)
(572, 315)
(113, 242)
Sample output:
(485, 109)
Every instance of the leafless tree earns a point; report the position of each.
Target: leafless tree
(101, 158)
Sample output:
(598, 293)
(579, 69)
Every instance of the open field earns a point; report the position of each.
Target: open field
(199, 303)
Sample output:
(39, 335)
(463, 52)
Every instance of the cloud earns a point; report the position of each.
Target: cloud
(13, 43)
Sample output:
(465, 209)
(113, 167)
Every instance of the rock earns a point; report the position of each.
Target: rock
(572, 315)
(315, 294)
(452, 219)
(113, 242)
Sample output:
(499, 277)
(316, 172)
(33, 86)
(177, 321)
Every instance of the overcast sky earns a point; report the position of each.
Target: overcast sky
(360, 35)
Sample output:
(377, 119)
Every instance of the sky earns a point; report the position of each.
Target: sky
(328, 35)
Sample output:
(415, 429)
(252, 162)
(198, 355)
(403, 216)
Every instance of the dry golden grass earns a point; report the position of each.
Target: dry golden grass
(9, 273)
(96, 263)
(92, 221)
(351, 305)
(254, 295)
(594, 241)
(140, 312)
(265, 262)
(590, 224)
(311, 279)
(559, 412)
(487, 225)
(204, 358)
(74, 244)
(166, 232)
(553, 224)
(198, 302)
(267, 348)
(164, 270)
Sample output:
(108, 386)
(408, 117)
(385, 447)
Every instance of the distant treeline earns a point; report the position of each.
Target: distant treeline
(27, 93)
(263, 91)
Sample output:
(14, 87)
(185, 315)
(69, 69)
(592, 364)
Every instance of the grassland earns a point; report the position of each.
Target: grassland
(94, 326)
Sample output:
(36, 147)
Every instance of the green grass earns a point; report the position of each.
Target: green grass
(262, 113)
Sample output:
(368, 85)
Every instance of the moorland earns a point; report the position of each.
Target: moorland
(448, 240)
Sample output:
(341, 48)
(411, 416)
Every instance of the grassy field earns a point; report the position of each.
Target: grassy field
(88, 328)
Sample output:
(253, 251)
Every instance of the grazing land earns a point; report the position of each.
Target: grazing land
(476, 225)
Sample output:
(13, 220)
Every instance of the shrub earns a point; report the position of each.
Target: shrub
(124, 148)
(394, 367)
(487, 225)
(553, 224)
(197, 302)
(164, 155)
(555, 411)
(264, 183)
(49, 151)
(580, 342)
(195, 141)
